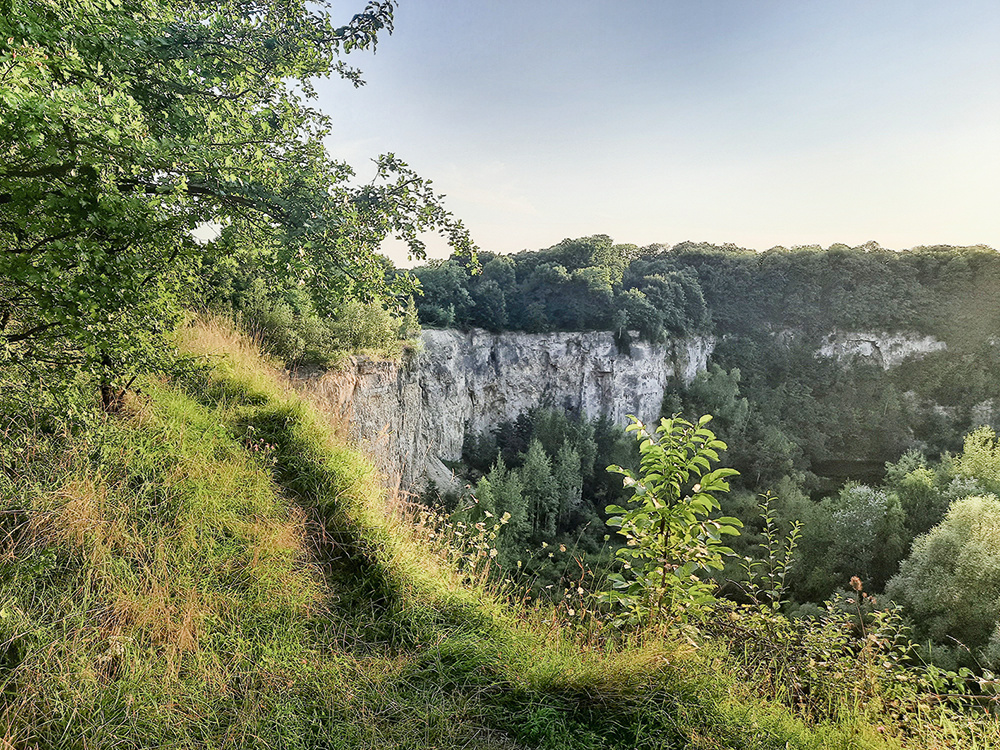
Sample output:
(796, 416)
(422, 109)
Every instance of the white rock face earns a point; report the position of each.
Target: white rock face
(414, 415)
(886, 349)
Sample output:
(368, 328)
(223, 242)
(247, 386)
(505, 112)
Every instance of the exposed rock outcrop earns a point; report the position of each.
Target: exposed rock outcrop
(888, 350)
(413, 416)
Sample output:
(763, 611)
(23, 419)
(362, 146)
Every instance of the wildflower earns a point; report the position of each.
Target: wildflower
(571, 611)
(855, 583)
(562, 547)
(493, 553)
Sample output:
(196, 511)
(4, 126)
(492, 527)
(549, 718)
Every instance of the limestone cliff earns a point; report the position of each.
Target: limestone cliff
(884, 349)
(412, 416)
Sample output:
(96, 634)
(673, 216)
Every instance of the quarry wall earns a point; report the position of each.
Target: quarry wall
(412, 416)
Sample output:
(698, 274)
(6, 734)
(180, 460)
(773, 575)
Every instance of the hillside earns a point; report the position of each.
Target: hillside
(213, 569)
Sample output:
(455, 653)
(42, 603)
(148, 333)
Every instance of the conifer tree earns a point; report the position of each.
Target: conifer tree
(568, 480)
(508, 497)
(540, 491)
(409, 327)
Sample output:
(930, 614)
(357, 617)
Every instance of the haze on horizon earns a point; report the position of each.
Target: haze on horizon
(759, 123)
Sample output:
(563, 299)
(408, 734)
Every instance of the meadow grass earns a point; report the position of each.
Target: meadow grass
(215, 569)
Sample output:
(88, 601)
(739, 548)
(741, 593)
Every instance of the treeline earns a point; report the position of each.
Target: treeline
(591, 283)
(585, 284)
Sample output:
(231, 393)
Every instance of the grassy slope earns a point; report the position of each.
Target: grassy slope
(215, 570)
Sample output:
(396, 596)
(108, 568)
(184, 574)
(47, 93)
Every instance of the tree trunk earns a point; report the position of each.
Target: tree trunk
(112, 398)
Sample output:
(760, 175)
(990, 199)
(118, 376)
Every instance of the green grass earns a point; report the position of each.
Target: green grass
(215, 570)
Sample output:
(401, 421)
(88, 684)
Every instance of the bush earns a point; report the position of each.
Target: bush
(364, 327)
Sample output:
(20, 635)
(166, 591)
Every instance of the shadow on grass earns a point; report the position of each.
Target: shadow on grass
(436, 653)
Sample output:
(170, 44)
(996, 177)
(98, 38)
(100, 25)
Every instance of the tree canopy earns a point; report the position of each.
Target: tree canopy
(950, 584)
(125, 125)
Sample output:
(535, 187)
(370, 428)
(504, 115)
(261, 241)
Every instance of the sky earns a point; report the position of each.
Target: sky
(756, 122)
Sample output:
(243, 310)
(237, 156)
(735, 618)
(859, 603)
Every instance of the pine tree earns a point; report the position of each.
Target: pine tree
(508, 497)
(540, 491)
(569, 482)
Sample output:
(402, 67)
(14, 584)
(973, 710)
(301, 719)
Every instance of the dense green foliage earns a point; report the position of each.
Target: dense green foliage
(126, 125)
(584, 284)
(293, 327)
(795, 422)
(770, 312)
(950, 583)
(591, 283)
(670, 534)
(546, 472)
(925, 537)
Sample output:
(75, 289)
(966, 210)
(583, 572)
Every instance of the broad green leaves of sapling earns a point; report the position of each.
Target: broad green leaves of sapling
(670, 534)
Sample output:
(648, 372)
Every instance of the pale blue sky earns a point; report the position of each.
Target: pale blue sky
(759, 122)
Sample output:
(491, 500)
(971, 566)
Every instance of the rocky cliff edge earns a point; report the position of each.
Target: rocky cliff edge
(412, 416)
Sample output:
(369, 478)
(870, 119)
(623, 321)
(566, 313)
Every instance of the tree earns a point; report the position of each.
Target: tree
(923, 500)
(506, 496)
(540, 490)
(445, 297)
(582, 252)
(569, 482)
(950, 584)
(409, 325)
(717, 391)
(678, 298)
(980, 458)
(490, 310)
(868, 533)
(127, 124)
(641, 316)
(361, 326)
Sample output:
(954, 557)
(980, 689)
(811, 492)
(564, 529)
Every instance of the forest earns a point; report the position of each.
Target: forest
(868, 458)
